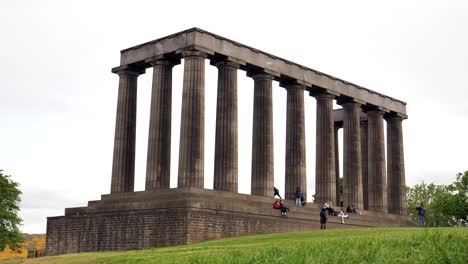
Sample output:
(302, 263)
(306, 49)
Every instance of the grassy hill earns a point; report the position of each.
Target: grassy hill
(377, 245)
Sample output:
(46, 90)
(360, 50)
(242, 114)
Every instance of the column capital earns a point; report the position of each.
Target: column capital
(351, 104)
(348, 100)
(323, 95)
(162, 61)
(227, 63)
(395, 116)
(262, 76)
(128, 70)
(293, 86)
(375, 112)
(193, 53)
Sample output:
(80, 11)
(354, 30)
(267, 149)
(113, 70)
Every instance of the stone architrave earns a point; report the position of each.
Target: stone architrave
(158, 165)
(295, 167)
(395, 166)
(364, 162)
(123, 165)
(337, 165)
(226, 157)
(192, 124)
(262, 136)
(352, 171)
(325, 178)
(377, 182)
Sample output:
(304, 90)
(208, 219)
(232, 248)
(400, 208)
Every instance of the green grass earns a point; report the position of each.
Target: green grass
(377, 245)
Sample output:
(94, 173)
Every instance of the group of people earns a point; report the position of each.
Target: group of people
(299, 198)
(327, 209)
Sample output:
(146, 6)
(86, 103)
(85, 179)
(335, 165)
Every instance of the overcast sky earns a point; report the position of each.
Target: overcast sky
(58, 98)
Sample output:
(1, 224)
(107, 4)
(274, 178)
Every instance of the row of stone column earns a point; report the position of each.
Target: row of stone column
(368, 183)
(191, 150)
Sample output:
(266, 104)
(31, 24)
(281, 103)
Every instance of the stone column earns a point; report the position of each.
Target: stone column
(225, 165)
(395, 166)
(262, 136)
(352, 171)
(325, 178)
(364, 165)
(123, 165)
(158, 165)
(295, 142)
(337, 164)
(192, 124)
(376, 162)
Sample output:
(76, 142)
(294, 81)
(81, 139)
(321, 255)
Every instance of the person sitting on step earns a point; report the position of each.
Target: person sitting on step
(342, 216)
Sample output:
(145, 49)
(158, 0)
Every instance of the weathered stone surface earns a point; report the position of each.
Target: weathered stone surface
(226, 157)
(123, 165)
(352, 171)
(262, 136)
(325, 178)
(217, 45)
(124, 221)
(192, 124)
(395, 166)
(158, 165)
(376, 162)
(337, 164)
(295, 167)
(364, 160)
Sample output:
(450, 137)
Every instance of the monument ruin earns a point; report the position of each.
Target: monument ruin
(374, 181)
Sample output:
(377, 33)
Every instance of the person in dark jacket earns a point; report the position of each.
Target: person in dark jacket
(284, 209)
(421, 213)
(276, 193)
(303, 201)
(323, 219)
(297, 195)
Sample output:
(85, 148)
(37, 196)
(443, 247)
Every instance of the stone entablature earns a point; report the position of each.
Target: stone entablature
(251, 58)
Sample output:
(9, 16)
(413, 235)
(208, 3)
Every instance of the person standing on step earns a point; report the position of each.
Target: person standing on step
(298, 195)
(323, 219)
(276, 193)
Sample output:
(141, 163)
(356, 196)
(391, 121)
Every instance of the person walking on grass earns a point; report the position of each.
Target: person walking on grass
(298, 195)
(323, 219)
(421, 213)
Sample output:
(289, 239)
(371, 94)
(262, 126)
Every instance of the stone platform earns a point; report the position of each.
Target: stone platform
(138, 220)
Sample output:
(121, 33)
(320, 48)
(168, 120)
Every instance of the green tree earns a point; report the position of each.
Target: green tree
(446, 205)
(9, 219)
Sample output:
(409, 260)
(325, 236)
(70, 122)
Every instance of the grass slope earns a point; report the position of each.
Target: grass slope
(377, 245)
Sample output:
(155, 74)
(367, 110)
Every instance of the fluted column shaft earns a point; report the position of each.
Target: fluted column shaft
(192, 124)
(352, 170)
(364, 165)
(337, 164)
(123, 165)
(325, 178)
(262, 136)
(376, 162)
(226, 159)
(395, 166)
(295, 142)
(158, 165)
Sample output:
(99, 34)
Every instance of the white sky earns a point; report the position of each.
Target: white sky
(58, 97)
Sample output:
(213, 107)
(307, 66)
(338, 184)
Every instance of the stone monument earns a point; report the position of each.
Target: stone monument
(374, 181)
